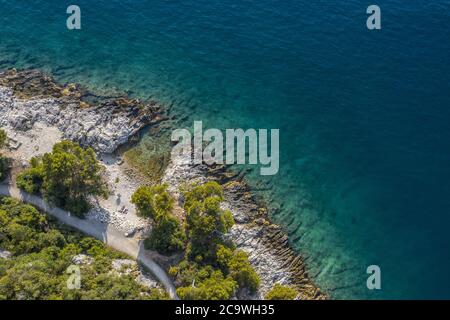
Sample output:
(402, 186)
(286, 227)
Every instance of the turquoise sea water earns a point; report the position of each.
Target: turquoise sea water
(363, 115)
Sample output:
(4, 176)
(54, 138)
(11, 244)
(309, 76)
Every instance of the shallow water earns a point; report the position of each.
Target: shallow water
(363, 116)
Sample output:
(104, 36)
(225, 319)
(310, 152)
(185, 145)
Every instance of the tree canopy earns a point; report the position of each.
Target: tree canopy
(152, 201)
(66, 177)
(236, 263)
(167, 236)
(280, 292)
(206, 221)
(155, 202)
(213, 287)
(212, 268)
(42, 251)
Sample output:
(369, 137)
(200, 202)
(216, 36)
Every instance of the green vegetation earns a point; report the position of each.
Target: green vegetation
(206, 221)
(3, 138)
(156, 203)
(152, 201)
(212, 268)
(66, 177)
(237, 265)
(167, 236)
(31, 180)
(4, 163)
(42, 252)
(280, 292)
(214, 286)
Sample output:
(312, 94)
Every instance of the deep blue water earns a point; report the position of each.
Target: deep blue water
(363, 115)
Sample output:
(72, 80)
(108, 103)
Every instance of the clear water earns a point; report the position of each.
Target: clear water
(364, 116)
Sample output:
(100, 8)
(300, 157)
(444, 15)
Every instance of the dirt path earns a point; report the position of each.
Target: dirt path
(106, 233)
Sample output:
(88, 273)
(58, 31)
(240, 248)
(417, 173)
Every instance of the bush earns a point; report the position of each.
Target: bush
(237, 265)
(71, 174)
(214, 287)
(206, 221)
(4, 163)
(167, 236)
(241, 271)
(152, 201)
(198, 276)
(280, 292)
(155, 202)
(31, 180)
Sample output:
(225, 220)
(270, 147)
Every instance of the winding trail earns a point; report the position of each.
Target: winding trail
(106, 233)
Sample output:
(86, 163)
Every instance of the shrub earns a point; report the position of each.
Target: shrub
(206, 221)
(155, 202)
(71, 174)
(4, 163)
(167, 236)
(241, 271)
(236, 263)
(212, 268)
(152, 201)
(199, 193)
(31, 180)
(214, 287)
(280, 292)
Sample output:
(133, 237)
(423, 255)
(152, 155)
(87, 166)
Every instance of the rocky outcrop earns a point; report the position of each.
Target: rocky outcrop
(82, 259)
(130, 267)
(266, 244)
(103, 125)
(5, 254)
(120, 267)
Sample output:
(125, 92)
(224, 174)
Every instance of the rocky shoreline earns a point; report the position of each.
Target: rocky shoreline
(31, 100)
(104, 125)
(266, 243)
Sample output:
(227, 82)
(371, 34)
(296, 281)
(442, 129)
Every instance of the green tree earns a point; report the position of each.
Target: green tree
(280, 292)
(236, 263)
(206, 221)
(167, 236)
(212, 268)
(30, 180)
(155, 202)
(70, 174)
(199, 193)
(152, 201)
(215, 287)
(242, 271)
